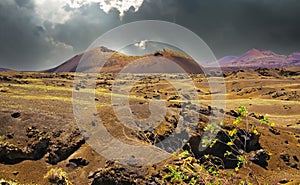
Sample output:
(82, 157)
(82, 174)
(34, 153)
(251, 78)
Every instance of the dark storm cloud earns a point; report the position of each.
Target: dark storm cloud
(24, 45)
(25, 3)
(85, 27)
(229, 27)
(28, 43)
(232, 27)
(17, 35)
(155, 9)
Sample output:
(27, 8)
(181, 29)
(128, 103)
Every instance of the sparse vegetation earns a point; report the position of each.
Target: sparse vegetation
(188, 170)
(267, 121)
(207, 169)
(47, 102)
(57, 176)
(235, 139)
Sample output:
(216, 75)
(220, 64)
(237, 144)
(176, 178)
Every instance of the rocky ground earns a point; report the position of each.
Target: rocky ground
(40, 142)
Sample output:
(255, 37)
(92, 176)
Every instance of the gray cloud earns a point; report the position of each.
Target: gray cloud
(229, 27)
(24, 45)
(85, 27)
(232, 27)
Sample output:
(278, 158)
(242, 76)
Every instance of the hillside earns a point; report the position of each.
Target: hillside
(158, 62)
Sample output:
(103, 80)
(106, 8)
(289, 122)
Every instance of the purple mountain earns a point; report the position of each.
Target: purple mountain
(4, 69)
(255, 58)
(227, 60)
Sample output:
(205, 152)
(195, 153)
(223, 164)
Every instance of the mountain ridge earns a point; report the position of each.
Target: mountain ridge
(160, 61)
(254, 59)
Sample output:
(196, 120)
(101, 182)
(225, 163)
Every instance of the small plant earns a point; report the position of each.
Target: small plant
(235, 153)
(188, 170)
(212, 130)
(267, 121)
(243, 116)
(181, 173)
(241, 162)
(206, 170)
(57, 176)
(177, 174)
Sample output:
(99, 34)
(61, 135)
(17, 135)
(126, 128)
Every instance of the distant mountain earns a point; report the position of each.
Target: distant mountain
(227, 60)
(255, 58)
(158, 62)
(4, 69)
(295, 56)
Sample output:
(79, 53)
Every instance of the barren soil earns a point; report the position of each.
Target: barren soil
(38, 130)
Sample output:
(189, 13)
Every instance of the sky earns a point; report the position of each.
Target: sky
(40, 34)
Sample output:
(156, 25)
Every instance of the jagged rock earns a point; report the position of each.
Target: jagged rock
(296, 158)
(158, 54)
(205, 110)
(284, 181)
(5, 78)
(32, 149)
(61, 150)
(274, 131)
(250, 139)
(16, 114)
(295, 165)
(4, 183)
(10, 153)
(256, 116)
(92, 174)
(77, 162)
(10, 135)
(260, 157)
(233, 113)
(175, 105)
(285, 158)
(117, 174)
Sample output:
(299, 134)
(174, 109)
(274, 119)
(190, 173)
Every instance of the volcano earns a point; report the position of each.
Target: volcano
(164, 61)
